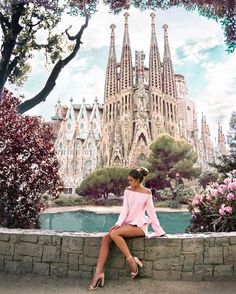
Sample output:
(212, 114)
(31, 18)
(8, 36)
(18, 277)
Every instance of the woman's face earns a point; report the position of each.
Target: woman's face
(134, 183)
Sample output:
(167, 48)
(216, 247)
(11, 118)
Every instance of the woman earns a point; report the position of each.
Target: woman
(132, 222)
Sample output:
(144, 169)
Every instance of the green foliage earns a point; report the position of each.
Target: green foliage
(104, 181)
(214, 209)
(172, 159)
(207, 178)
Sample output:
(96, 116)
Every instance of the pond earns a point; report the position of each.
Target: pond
(90, 222)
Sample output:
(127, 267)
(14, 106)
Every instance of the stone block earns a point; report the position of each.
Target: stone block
(166, 275)
(29, 238)
(51, 253)
(1, 263)
(86, 268)
(90, 260)
(10, 266)
(58, 269)
(209, 241)
(162, 264)
(25, 265)
(92, 241)
(138, 244)
(56, 240)
(230, 254)
(232, 240)
(147, 268)
(204, 270)
(91, 251)
(199, 259)
(222, 241)
(45, 240)
(73, 261)
(193, 246)
(28, 249)
(116, 262)
(41, 268)
(84, 275)
(4, 237)
(112, 274)
(6, 248)
(178, 260)
(187, 276)
(189, 260)
(73, 274)
(213, 255)
(72, 244)
(14, 238)
(64, 257)
(223, 270)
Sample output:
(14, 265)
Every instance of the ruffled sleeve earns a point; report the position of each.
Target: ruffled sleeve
(124, 210)
(153, 218)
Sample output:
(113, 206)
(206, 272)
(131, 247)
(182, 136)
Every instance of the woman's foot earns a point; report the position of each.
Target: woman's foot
(98, 281)
(134, 263)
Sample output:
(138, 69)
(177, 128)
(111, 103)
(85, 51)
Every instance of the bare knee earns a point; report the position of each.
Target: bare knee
(113, 234)
(106, 239)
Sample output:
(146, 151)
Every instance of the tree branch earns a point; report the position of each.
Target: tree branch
(51, 82)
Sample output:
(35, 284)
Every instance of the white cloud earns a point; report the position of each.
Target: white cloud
(217, 100)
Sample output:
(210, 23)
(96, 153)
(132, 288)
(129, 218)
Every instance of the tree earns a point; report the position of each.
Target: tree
(170, 162)
(20, 21)
(207, 178)
(28, 166)
(104, 181)
(226, 163)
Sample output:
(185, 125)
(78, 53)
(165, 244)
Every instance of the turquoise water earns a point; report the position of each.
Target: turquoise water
(85, 221)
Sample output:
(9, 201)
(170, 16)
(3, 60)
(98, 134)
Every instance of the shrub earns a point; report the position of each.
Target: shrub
(28, 166)
(216, 207)
(104, 181)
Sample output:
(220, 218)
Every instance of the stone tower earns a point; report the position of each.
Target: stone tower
(139, 103)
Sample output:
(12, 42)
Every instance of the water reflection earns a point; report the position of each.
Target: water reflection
(85, 221)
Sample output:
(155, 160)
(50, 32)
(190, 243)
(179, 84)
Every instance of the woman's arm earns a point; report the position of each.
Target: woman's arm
(154, 220)
(124, 211)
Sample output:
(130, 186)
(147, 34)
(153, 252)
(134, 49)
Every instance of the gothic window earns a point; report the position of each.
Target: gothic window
(141, 159)
(87, 167)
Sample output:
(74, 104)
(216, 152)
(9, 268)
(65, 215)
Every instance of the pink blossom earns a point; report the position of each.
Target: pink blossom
(232, 186)
(229, 209)
(227, 181)
(214, 192)
(230, 197)
(234, 172)
(197, 199)
(222, 210)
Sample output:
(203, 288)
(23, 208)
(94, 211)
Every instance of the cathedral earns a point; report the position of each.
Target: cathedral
(140, 103)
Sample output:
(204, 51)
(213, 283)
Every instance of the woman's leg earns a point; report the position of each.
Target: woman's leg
(102, 257)
(118, 236)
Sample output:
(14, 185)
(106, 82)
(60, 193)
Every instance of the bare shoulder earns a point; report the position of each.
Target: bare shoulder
(128, 188)
(147, 191)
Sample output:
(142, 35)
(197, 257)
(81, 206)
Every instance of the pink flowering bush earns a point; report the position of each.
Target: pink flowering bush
(215, 208)
(28, 166)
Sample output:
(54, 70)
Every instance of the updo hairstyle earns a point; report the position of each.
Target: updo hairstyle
(138, 173)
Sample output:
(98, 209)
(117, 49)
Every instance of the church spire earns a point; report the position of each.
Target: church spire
(155, 80)
(126, 71)
(111, 80)
(169, 86)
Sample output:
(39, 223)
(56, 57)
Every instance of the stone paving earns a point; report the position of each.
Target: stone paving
(33, 284)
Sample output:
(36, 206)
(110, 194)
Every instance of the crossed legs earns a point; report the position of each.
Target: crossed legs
(116, 235)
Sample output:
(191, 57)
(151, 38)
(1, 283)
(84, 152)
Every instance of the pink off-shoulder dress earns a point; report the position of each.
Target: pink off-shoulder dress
(133, 212)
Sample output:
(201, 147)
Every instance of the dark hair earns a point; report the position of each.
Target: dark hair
(138, 173)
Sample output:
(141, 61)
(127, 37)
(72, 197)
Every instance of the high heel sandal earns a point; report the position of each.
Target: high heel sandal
(100, 283)
(138, 263)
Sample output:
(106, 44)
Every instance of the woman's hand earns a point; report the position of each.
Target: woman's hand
(114, 228)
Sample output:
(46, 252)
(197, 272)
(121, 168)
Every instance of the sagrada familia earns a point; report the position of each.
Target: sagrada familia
(140, 103)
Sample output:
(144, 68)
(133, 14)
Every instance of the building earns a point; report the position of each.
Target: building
(140, 103)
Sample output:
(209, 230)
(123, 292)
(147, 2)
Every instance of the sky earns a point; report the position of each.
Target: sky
(197, 48)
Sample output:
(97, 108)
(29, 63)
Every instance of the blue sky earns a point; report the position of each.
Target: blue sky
(198, 52)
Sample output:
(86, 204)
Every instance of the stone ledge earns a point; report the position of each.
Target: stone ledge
(194, 257)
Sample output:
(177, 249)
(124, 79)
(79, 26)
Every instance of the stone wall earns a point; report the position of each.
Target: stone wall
(192, 257)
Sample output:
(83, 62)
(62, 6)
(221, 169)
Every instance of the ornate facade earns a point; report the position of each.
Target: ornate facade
(139, 104)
